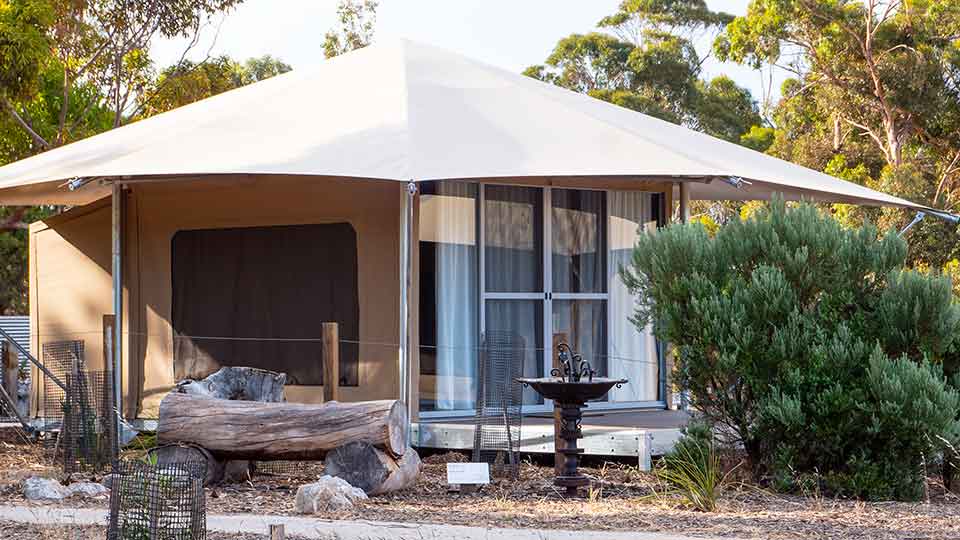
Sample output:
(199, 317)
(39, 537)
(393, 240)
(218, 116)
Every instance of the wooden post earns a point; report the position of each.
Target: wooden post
(276, 531)
(11, 370)
(331, 361)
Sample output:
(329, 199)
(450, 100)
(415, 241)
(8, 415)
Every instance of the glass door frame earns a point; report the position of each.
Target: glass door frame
(546, 297)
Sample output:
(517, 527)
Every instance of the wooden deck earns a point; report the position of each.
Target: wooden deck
(640, 434)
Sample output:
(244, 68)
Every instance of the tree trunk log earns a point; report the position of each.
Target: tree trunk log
(371, 469)
(280, 431)
(186, 453)
(240, 383)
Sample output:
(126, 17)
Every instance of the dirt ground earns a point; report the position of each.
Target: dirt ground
(624, 499)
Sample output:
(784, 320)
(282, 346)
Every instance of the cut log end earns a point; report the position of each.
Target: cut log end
(399, 429)
(371, 469)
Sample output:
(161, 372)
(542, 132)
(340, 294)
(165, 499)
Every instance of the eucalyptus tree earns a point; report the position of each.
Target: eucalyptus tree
(644, 57)
(875, 96)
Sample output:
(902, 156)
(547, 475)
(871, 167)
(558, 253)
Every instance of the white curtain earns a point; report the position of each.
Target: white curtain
(448, 226)
(633, 353)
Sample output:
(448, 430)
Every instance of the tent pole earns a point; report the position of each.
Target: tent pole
(117, 256)
(406, 288)
(684, 202)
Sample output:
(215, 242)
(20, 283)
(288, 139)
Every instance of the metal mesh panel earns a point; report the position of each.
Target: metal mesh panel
(499, 400)
(157, 502)
(88, 438)
(61, 358)
(279, 468)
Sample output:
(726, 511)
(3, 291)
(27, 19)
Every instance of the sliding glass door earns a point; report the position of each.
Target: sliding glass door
(577, 299)
(532, 267)
(513, 278)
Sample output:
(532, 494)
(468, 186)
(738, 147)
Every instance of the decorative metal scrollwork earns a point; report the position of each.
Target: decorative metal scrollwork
(573, 368)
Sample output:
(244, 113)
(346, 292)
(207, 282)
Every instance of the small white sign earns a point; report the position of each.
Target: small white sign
(468, 473)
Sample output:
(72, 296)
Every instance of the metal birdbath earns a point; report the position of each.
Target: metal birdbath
(570, 387)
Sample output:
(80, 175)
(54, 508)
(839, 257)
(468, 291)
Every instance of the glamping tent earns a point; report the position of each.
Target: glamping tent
(420, 199)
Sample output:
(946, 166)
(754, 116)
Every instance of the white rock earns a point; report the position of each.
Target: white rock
(108, 481)
(328, 493)
(87, 489)
(43, 489)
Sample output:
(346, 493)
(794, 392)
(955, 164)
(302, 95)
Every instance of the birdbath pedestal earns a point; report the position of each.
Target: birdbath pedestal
(570, 388)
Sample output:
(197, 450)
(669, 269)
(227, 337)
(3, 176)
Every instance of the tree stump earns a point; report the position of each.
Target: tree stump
(374, 471)
(238, 383)
(187, 453)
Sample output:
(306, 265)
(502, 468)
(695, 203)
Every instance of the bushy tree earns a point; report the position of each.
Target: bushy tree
(187, 82)
(876, 84)
(357, 21)
(807, 343)
(643, 57)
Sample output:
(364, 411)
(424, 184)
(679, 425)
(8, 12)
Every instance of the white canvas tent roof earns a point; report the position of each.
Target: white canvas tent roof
(405, 111)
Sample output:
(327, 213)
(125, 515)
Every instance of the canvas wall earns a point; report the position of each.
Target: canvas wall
(70, 268)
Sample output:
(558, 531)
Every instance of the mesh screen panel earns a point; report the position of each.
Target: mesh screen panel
(499, 403)
(280, 468)
(61, 358)
(157, 502)
(88, 439)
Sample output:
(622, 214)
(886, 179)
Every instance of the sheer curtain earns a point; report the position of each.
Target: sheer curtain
(449, 305)
(513, 229)
(577, 241)
(633, 353)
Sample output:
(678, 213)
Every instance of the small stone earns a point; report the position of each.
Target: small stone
(328, 493)
(36, 488)
(108, 481)
(87, 490)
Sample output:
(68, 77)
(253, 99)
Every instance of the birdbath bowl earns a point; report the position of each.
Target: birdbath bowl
(570, 387)
(561, 391)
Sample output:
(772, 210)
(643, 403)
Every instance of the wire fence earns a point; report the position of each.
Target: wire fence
(73, 337)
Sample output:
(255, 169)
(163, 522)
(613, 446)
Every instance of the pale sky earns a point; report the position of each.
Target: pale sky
(512, 34)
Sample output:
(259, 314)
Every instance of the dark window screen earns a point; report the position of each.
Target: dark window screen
(271, 287)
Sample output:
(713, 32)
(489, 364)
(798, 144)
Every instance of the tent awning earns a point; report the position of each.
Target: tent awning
(405, 111)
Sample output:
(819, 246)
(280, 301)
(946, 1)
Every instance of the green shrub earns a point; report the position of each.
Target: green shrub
(807, 344)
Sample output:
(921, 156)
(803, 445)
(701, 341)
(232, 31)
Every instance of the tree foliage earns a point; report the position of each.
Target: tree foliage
(188, 81)
(70, 69)
(808, 343)
(357, 20)
(876, 84)
(643, 57)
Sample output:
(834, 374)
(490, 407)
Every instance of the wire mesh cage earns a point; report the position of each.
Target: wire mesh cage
(88, 437)
(157, 501)
(499, 403)
(60, 358)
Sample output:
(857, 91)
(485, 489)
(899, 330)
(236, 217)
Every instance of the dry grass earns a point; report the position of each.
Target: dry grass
(622, 499)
